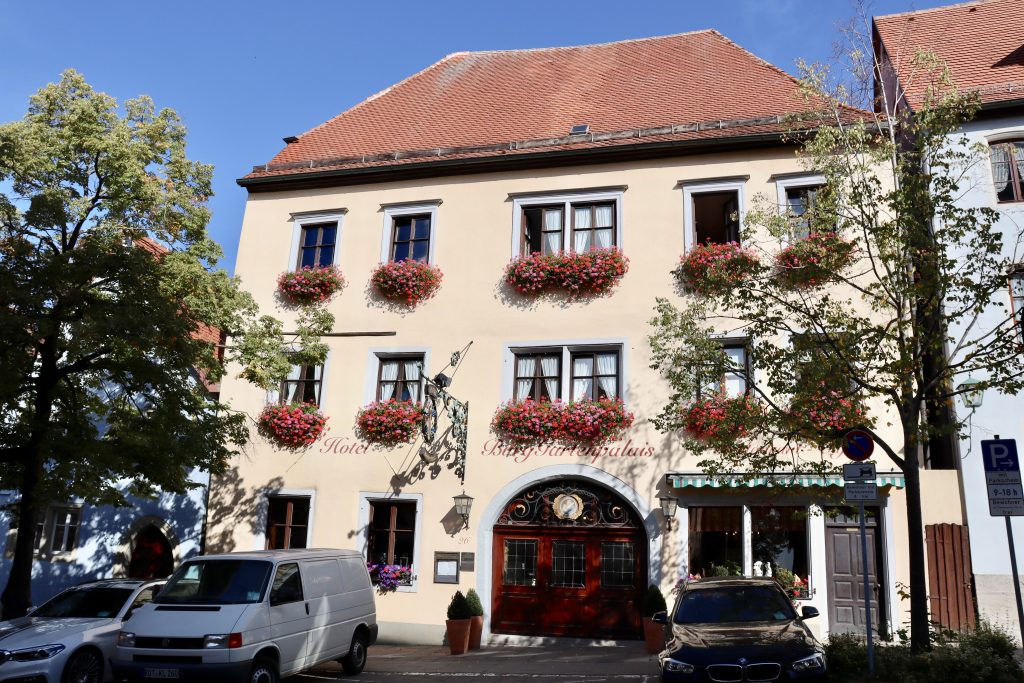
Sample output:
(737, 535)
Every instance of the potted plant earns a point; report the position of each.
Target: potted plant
(813, 260)
(388, 577)
(308, 286)
(460, 617)
(654, 633)
(293, 426)
(820, 412)
(720, 417)
(716, 268)
(476, 627)
(406, 282)
(586, 273)
(389, 423)
(593, 423)
(527, 424)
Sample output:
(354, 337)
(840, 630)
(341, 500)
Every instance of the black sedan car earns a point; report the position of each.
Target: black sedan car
(731, 629)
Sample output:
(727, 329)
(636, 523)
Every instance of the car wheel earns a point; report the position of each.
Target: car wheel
(85, 666)
(355, 660)
(264, 670)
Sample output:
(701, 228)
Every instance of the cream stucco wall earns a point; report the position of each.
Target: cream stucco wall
(473, 238)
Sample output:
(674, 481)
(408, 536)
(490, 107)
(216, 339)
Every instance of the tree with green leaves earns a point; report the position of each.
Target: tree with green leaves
(99, 338)
(848, 306)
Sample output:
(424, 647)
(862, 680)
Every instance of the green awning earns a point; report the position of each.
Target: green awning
(699, 481)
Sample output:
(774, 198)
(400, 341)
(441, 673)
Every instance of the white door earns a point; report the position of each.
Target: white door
(289, 617)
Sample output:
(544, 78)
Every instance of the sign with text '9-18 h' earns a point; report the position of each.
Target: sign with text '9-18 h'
(1002, 477)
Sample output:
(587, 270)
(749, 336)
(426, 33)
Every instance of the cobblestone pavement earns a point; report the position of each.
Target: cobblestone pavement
(543, 664)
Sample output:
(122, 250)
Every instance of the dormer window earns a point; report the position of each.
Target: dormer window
(1008, 170)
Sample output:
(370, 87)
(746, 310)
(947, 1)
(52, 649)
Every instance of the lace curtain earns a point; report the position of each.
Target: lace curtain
(552, 231)
(1001, 165)
(412, 379)
(549, 366)
(583, 384)
(388, 375)
(526, 367)
(606, 366)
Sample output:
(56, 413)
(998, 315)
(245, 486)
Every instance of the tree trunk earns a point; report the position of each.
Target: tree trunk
(919, 626)
(17, 595)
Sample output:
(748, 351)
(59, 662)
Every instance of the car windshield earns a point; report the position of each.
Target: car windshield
(216, 582)
(727, 604)
(86, 603)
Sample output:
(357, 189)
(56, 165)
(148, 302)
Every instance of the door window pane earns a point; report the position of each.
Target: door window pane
(520, 562)
(716, 541)
(568, 563)
(618, 563)
(779, 545)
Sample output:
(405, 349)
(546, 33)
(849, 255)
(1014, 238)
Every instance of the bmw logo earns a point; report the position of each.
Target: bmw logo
(743, 660)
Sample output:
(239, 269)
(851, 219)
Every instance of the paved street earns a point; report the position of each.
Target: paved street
(555, 663)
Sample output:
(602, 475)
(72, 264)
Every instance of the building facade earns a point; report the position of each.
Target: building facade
(982, 45)
(650, 146)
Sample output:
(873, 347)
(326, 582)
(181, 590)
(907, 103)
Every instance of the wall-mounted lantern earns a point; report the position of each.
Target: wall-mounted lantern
(463, 504)
(668, 509)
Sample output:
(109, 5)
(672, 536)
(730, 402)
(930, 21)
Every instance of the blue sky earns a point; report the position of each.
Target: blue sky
(245, 74)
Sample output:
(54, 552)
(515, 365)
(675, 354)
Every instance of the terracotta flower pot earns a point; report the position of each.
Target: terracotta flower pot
(654, 636)
(476, 629)
(458, 635)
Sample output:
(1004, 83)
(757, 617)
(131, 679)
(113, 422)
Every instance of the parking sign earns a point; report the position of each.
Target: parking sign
(1002, 477)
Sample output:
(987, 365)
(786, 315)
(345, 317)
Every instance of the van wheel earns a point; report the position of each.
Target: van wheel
(264, 670)
(355, 660)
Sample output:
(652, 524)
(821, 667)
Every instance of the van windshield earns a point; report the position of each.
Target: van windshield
(216, 582)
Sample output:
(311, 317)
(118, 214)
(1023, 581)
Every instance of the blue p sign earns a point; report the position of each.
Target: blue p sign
(1000, 455)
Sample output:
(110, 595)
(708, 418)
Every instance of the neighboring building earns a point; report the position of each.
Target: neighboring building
(983, 45)
(649, 145)
(76, 541)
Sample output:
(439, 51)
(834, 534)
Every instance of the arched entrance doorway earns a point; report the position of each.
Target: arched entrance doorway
(152, 557)
(570, 559)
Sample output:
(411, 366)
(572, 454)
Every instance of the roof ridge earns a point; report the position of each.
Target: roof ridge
(585, 45)
(968, 3)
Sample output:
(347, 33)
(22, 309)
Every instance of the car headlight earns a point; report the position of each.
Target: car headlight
(677, 666)
(32, 654)
(812, 663)
(216, 641)
(126, 639)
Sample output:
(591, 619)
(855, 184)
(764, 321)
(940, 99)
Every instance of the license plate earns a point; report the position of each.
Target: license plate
(161, 673)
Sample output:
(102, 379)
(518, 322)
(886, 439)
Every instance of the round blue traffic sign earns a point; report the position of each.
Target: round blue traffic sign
(858, 445)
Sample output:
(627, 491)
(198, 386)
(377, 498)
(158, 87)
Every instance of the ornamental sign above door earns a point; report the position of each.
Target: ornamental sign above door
(568, 504)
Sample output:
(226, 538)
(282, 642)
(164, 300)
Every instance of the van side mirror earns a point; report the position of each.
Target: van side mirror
(808, 612)
(660, 617)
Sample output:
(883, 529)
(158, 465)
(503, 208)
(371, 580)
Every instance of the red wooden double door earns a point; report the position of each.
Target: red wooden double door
(570, 560)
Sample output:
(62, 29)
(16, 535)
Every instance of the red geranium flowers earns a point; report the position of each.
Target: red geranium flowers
(406, 282)
(721, 417)
(587, 273)
(292, 426)
(813, 260)
(526, 424)
(308, 285)
(389, 423)
(711, 268)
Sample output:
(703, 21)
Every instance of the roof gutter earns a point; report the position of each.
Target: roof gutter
(520, 161)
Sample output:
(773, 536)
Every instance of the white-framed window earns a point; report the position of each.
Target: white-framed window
(568, 370)
(567, 221)
(796, 196)
(56, 533)
(304, 384)
(394, 369)
(284, 518)
(393, 531)
(713, 211)
(316, 239)
(736, 381)
(409, 232)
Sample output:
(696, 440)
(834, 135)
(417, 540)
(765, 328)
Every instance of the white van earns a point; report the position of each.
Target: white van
(254, 617)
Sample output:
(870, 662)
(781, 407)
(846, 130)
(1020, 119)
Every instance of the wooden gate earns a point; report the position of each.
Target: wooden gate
(951, 598)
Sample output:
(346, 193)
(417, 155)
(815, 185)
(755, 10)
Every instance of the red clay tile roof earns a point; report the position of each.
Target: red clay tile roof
(981, 42)
(515, 101)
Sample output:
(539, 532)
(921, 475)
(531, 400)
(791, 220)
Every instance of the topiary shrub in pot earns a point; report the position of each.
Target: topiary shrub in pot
(460, 617)
(476, 626)
(654, 633)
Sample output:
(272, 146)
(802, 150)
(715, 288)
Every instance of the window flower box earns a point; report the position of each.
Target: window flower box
(526, 424)
(720, 417)
(587, 273)
(388, 577)
(813, 260)
(710, 268)
(406, 282)
(389, 423)
(309, 286)
(822, 412)
(593, 423)
(293, 426)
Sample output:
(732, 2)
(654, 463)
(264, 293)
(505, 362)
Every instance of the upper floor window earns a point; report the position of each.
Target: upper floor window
(579, 222)
(736, 380)
(302, 385)
(801, 203)
(716, 217)
(1008, 170)
(1017, 299)
(287, 522)
(317, 242)
(62, 527)
(399, 378)
(410, 238)
(575, 373)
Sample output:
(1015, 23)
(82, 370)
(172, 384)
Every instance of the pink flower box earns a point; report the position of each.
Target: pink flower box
(294, 426)
(528, 424)
(813, 260)
(406, 282)
(720, 417)
(717, 268)
(310, 285)
(588, 273)
(389, 423)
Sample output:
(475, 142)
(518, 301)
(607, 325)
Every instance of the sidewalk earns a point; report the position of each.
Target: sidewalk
(555, 663)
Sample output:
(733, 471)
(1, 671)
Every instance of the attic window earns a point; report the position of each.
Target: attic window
(580, 129)
(290, 139)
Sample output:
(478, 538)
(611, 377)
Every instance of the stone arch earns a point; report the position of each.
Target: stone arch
(122, 558)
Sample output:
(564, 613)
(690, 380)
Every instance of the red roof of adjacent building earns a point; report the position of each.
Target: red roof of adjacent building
(982, 43)
(486, 104)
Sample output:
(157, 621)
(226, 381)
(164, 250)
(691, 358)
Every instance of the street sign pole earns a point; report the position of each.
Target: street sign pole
(1016, 578)
(1005, 499)
(867, 589)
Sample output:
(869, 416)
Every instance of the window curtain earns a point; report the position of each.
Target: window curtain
(316, 374)
(1018, 151)
(553, 231)
(583, 386)
(736, 381)
(604, 221)
(388, 375)
(606, 365)
(549, 366)
(581, 228)
(526, 367)
(412, 379)
(1001, 166)
(291, 386)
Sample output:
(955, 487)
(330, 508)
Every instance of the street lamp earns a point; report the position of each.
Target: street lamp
(463, 504)
(668, 509)
(972, 393)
